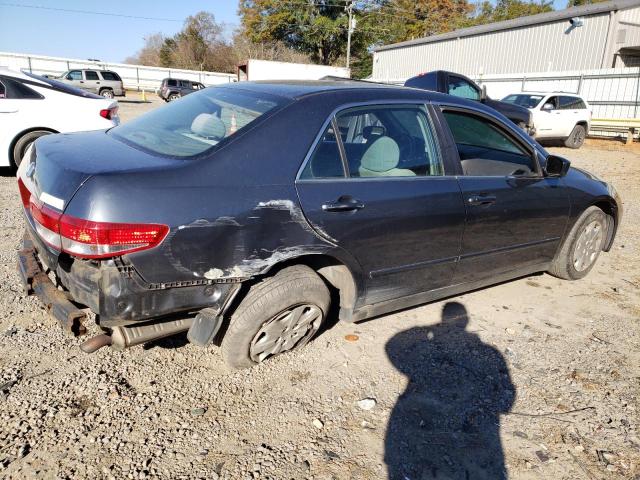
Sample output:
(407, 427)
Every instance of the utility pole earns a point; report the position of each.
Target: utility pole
(350, 29)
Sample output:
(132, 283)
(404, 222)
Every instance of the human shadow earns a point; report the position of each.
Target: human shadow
(446, 424)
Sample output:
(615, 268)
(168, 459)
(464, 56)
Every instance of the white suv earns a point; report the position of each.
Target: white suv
(556, 115)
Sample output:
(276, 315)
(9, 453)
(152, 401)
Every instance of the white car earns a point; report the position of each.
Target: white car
(32, 106)
(556, 115)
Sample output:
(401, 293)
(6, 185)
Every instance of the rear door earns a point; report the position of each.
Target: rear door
(573, 110)
(377, 185)
(91, 81)
(515, 216)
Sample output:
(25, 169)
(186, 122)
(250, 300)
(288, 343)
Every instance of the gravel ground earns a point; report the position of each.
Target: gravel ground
(539, 375)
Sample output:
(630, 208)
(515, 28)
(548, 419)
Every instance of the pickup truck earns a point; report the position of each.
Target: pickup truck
(461, 86)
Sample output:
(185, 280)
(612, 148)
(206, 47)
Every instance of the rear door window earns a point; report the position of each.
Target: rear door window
(91, 75)
(571, 103)
(12, 88)
(172, 82)
(325, 162)
(485, 149)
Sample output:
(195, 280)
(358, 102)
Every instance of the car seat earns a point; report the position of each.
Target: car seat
(381, 159)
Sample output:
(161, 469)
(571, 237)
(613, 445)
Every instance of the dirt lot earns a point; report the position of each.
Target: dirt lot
(539, 374)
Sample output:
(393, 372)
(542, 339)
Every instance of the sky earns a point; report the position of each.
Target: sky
(50, 30)
(108, 38)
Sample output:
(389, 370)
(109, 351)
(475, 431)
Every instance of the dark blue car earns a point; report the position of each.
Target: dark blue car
(249, 212)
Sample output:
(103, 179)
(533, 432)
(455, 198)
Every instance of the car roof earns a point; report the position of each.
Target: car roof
(16, 74)
(299, 88)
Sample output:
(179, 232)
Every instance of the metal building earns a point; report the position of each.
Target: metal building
(601, 35)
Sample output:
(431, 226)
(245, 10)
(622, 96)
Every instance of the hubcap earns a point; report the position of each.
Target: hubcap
(290, 328)
(587, 246)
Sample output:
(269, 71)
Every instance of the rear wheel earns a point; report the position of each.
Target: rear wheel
(23, 144)
(576, 138)
(174, 96)
(107, 93)
(279, 314)
(582, 246)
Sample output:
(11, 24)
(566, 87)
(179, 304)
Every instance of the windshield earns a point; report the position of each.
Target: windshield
(196, 123)
(524, 100)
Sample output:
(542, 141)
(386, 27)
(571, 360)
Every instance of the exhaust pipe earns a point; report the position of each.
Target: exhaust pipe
(125, 337)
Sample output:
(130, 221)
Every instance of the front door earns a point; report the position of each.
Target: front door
(515, 216)
(380, 190)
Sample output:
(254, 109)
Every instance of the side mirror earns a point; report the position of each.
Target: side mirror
(483, 93)
(547, 107)
(556, 166)
(68, 77)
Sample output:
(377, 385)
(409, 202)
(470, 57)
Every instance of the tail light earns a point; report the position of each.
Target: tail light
(109, 113)
(88, 239)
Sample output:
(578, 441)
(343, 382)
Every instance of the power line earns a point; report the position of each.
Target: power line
(87, 12)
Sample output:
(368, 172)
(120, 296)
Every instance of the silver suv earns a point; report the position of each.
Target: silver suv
(103, 82)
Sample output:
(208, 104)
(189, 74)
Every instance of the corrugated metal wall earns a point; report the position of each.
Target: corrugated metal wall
(527, 49)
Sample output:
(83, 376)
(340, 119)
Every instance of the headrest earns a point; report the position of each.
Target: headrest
(382, 155)
(373, 131)
(208, 126)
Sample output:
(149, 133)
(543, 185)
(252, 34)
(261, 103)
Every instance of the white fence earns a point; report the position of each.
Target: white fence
(134, 76)
(612, 92)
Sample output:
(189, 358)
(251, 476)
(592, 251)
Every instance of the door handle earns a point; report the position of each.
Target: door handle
(481, 199)
(343, 204)
(81, 81)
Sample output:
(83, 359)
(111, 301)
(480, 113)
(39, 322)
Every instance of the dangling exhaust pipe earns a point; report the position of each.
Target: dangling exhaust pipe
(125, 337)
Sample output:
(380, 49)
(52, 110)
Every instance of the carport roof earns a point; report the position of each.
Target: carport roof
(583, 10)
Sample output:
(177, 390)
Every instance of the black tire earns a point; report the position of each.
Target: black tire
(292, 288)
(23, 143)
(576, 138)
(564, 265)
(173, 96)
(107, 93)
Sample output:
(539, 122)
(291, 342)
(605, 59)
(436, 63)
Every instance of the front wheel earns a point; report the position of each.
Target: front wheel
(582, 246)
(576, 138)
(24, 142)
(279, 314)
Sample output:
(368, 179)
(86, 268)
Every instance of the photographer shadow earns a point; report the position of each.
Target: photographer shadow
(446, 424)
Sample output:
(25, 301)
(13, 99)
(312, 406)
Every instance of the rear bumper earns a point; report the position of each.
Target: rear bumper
(112, 289)
(36, 281)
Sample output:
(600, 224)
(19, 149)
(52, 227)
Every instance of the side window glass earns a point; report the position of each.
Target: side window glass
(172, 83)
(485, 150)
(462, 88)
(74, 75)
(91, 75)
(570, 103)
(389, 141)
(3, 91)
(553, 101)
(325, 162)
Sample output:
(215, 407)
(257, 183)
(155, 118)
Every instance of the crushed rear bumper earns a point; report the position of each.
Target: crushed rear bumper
(114, 291)
(36, 281)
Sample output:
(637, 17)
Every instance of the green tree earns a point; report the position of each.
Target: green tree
(486, 12)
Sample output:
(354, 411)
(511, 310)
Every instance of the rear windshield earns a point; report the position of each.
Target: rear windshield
(110, 76)
(524, 100)
(197, 122)
(61, 87)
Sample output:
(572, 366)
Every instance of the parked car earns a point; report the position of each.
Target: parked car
(461, 86)
(556, 115)
(174, 88)
(105, 83)
(235, 212)
(33, 106)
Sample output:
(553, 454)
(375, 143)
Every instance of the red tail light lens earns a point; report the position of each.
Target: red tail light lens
(109, 113)
(87, 239)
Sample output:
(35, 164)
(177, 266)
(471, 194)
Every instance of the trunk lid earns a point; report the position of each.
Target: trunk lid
(60, 164)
